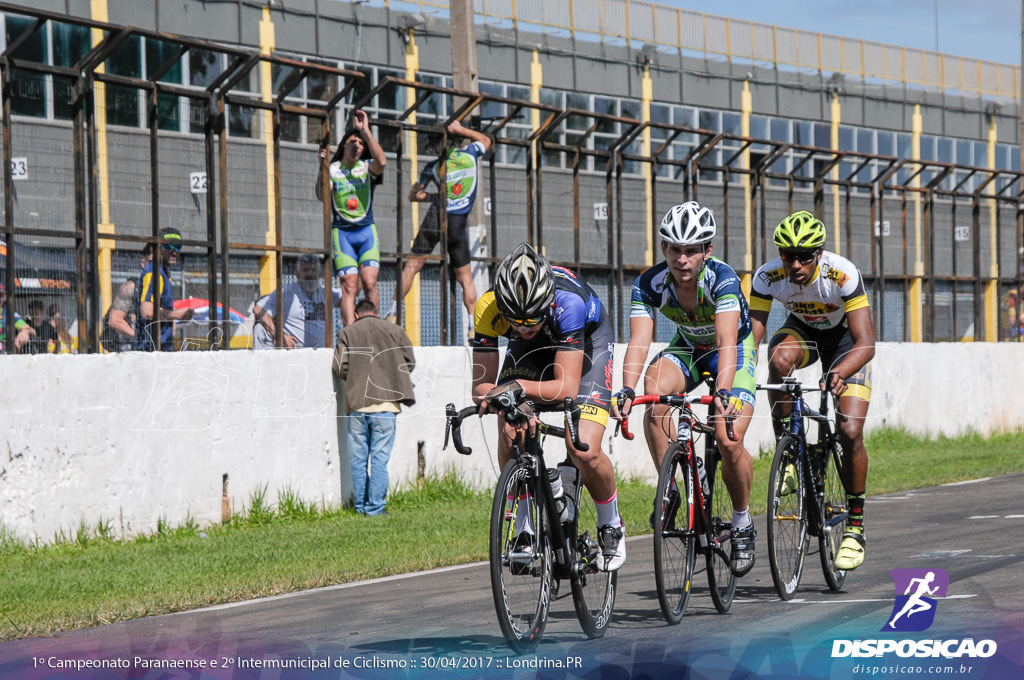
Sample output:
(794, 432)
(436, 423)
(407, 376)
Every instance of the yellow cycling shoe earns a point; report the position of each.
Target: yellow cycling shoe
(790, 482)
(851, 552)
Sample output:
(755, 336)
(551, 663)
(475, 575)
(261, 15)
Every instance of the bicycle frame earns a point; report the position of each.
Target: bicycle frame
(687, 424)
(531, 455)
(555, 550)
(814, 465)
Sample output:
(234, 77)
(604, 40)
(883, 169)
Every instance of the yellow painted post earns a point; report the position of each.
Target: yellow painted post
(837, 224)
(413, 323)
(647, 95)
(746, 108)
(915, 298)
(98, 12)
(992, 285)
(536, 83)
(268, 271)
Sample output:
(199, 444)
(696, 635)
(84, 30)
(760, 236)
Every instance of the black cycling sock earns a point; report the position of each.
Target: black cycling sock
(856, 515)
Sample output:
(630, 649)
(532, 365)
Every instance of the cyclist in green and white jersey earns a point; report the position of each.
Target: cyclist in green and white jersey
(701, 295)
(356, 169)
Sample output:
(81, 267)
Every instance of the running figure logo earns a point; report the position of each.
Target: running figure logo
(915, 608)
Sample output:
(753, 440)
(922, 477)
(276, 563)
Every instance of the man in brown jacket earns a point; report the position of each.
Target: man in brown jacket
(374, 357)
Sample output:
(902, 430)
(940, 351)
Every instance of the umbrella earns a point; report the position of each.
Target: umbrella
(201, 310)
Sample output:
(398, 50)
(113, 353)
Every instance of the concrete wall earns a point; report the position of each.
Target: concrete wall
(133, 439)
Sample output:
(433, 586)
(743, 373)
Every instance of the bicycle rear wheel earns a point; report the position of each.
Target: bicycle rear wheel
(673, 534)
(719, 522)
(787, 518)
(593, 591)
(520, 557)
(834, 512)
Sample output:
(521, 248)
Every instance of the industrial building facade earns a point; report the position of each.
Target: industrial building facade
(124, 117)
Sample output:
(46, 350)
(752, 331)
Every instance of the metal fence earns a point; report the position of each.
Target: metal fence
(949, 234)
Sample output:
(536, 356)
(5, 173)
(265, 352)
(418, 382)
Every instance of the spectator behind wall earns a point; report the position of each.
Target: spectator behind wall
(305, 318)
(155, 284)
(23, 333)
(119, 321)
(374, 357)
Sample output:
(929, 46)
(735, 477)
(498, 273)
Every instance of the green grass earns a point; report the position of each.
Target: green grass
(87, 578)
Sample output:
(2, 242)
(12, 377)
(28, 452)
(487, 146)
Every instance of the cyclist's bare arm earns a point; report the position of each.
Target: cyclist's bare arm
(457, 128)
(641, 333)
(419, 194)
(485, 373)
(758, 324)
(863, 351)
(361, 122)
(726, 331)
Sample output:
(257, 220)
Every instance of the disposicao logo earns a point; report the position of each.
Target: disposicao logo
(914, 611)
(916, 590)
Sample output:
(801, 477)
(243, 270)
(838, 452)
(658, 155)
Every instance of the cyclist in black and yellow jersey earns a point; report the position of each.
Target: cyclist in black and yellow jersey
(560, 344)
(829, 319)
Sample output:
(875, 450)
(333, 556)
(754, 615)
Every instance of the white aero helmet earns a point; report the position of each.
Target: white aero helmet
(688, 224)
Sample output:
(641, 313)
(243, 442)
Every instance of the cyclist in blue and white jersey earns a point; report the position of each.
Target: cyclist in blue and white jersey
(701, 295)
(560, 345)
(829, 318)
(462, 183)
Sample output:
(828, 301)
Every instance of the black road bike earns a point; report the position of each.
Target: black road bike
(539, 541)
(806, 496)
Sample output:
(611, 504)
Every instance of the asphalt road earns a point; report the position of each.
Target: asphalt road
(425, 624)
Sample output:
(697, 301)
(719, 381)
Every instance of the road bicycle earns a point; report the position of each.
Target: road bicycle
(806, 496)
(539, 539)
(693, 510)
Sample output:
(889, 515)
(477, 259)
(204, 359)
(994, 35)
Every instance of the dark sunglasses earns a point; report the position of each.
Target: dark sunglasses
(801, 256)
(171, 247)
(526, 323)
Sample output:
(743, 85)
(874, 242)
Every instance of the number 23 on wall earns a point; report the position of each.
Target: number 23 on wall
(19, 167)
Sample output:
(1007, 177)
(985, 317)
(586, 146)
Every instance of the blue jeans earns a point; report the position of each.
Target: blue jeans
(370, 438)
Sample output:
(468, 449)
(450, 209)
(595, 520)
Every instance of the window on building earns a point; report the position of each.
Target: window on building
(28, 90)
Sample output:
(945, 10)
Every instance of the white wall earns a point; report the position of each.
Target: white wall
(131, 439)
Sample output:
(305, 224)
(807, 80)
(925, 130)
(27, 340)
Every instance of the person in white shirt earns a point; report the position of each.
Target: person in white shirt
(305, 317)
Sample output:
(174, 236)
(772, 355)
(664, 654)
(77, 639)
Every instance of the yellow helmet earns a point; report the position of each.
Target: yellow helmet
(800, 230)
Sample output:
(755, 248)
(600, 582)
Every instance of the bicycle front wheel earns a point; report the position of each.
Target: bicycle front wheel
(787, 518)
(593, 591)
(520, 557)
(834, 512)
(673, 534)
(719, 523)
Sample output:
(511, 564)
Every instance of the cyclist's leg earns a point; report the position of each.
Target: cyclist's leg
(424, 243)
(368, 248)
(595, 467)
(737, 463)
(853, 404)
(459, 258)
(790, 348)
(669, 372)
(346, 265)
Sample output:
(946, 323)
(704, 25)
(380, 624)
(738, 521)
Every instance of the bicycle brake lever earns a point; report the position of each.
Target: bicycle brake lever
(572, 419)
(449, 414)
(729, 429)
(453, 427)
